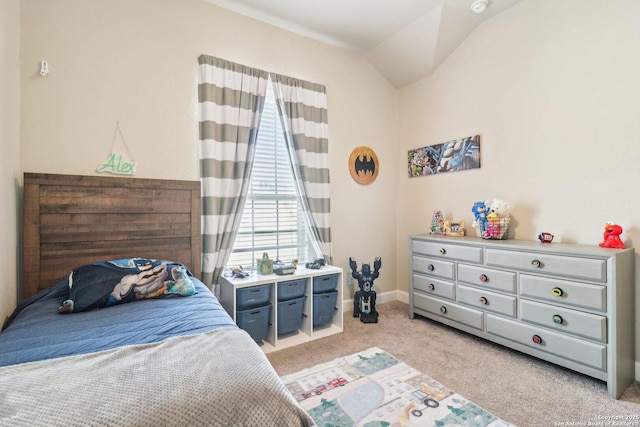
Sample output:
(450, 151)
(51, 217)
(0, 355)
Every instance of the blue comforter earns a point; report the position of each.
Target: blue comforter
(36, 331)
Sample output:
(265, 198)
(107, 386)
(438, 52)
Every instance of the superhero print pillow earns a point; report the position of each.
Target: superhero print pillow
(108, 283)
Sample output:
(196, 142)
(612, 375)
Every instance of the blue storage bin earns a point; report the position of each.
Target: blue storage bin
(324, 307)
(290, 315)
(253, 296)
(291, 289)
(255, 321)
(325, 283)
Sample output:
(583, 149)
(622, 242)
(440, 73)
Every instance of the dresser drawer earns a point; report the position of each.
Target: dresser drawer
(581, 268)
(565, 346)
(463, 253)
(433, 267)
(565, 319)
(564, 292)
(490, 301)
(487, 277)
(444, 309)
(434, 286)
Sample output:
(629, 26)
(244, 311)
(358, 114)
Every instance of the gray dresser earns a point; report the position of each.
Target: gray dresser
(572, 305)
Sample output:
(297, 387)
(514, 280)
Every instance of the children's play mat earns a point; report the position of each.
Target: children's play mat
(372, 388)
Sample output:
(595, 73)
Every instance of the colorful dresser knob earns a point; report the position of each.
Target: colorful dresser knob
(557, 292)
(557, 319)
(483, 300)
(443, 251)
(536, 339)
(536, 263)
(483, 278)
(443, 309)
(430, 267)
(431, 287)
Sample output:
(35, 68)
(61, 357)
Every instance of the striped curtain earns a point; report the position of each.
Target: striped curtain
(303, 112)
(230, 98)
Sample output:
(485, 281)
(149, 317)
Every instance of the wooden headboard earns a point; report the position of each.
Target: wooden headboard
(71, 220)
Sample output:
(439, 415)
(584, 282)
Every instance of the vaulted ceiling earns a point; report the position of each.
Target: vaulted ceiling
(405, 40)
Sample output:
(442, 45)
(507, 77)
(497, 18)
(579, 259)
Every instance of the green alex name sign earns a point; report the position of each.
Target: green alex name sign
(117, 164)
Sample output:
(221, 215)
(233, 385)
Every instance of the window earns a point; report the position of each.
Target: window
(272, 220)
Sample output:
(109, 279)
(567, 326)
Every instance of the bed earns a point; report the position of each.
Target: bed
(171, 357)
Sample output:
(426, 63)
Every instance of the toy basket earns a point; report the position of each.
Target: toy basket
(494, 230)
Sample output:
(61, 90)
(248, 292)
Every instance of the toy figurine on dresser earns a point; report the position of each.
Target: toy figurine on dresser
(611, 236)
(364, 299)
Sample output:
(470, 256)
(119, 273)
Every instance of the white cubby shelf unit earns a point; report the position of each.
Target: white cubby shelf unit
(307, 331)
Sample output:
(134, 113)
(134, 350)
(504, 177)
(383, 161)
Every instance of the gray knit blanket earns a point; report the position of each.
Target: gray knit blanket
(218, 378)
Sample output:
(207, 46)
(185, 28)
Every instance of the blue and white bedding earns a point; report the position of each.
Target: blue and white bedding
(37, 331)
(170, 360)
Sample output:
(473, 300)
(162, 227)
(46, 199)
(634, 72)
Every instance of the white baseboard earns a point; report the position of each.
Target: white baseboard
(381, 298)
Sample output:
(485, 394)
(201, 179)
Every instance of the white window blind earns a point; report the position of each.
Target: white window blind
(272, 220)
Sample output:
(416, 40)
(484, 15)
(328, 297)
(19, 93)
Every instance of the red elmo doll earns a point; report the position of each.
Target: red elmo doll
(611, 235)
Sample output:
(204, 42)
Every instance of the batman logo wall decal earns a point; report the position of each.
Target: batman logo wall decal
(363, 165)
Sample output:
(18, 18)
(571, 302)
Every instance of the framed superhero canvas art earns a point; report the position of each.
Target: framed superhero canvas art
(455, 155)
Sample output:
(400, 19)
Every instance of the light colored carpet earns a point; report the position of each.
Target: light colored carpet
(515, 387)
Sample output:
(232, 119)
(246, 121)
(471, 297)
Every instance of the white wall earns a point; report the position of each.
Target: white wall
(10, 173)
(550, 85)
(553, 89)
(135, 61)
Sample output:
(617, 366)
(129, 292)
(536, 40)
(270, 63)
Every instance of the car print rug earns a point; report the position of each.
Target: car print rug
(374, 389)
